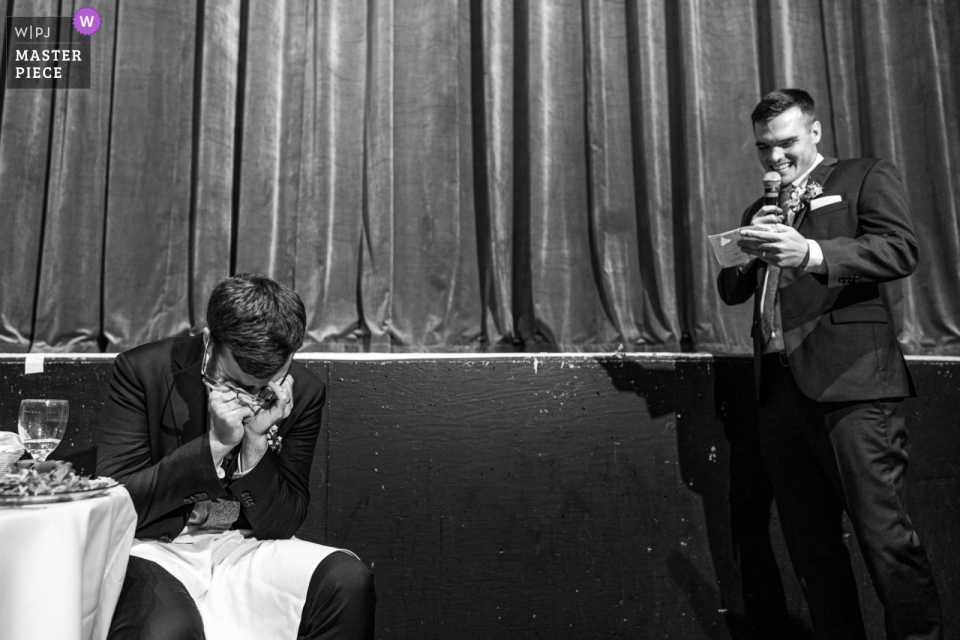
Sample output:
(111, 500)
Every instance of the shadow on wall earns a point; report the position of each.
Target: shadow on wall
(719, 456)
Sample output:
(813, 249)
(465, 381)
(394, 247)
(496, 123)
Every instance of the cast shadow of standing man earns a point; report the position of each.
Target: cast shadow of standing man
(737, 500)
(765, 611)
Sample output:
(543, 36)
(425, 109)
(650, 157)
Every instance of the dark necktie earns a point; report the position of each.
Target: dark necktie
(772, 281)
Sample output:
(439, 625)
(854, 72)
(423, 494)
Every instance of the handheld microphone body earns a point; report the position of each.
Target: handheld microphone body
(771, 189)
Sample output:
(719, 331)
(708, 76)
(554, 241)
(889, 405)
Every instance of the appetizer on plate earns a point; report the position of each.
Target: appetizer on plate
(47, 478)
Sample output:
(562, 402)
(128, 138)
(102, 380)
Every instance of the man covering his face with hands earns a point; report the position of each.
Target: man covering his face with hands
(213, 436)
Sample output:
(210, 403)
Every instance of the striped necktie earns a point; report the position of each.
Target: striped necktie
(772, 280)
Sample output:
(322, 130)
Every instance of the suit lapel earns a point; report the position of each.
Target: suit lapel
(187, 404)
(819, 174)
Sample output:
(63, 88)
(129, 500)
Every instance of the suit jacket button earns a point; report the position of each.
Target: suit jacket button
(202, 496)
(187, 500)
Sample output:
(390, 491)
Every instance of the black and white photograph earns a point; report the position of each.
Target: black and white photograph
(473, 319)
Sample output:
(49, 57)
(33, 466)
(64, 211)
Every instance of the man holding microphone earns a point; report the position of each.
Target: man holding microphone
(830, 376)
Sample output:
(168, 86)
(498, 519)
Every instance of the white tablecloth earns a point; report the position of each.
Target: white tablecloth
(62, 566)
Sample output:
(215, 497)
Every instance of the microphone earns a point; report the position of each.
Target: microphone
(771, 189)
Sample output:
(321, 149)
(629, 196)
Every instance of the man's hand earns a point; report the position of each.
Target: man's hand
(258, 425)
(772, 242)
(227, 416)
(768, 215)
(255, 428)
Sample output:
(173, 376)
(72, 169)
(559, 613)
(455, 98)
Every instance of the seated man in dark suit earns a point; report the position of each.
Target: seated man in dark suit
(829, 372)
(213, 436)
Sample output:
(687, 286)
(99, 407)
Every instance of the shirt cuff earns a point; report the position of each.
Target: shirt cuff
(240, 472)
(815, 264)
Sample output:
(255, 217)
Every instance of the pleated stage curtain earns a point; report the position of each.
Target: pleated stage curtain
(453, 175)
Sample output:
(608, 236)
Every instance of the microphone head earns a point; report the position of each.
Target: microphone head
(771, 181)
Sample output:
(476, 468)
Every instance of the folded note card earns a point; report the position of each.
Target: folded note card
(726, 249)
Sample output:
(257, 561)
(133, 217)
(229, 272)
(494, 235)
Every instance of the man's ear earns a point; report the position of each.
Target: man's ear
(815, 131)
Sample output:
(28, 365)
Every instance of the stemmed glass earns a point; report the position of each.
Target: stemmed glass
(41, 425)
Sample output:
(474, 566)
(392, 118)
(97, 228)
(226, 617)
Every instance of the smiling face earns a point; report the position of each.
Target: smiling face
(787, 144)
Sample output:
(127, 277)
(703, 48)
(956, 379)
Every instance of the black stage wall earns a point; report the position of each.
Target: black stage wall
(559, 496)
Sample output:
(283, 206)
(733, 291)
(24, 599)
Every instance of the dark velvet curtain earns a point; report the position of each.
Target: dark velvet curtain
(453, 175)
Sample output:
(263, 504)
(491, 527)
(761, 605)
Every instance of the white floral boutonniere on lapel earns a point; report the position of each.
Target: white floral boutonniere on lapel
(811, 191)
(800, 197)
(274, 439)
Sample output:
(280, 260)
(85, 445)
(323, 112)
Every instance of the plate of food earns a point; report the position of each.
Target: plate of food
(50, 481)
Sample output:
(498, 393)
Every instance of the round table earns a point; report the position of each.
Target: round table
(62, 566)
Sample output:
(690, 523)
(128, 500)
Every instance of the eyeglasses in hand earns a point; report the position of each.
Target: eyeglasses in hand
(255, 401)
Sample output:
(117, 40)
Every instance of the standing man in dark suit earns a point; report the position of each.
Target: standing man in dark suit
(829, 371)
(213, 436)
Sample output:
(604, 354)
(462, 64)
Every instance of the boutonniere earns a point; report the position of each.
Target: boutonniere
(811, 191)
(800, 197)
(274, 439)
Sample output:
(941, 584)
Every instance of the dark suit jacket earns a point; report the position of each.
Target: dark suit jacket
(153, 439)
(837, 329)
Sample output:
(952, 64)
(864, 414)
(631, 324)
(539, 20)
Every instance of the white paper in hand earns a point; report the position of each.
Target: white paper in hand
(726, 249)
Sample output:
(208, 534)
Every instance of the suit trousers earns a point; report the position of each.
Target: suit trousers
(154, 605)
(827, 458)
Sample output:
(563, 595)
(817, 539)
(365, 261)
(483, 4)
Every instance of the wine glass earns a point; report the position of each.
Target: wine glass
(42, 423)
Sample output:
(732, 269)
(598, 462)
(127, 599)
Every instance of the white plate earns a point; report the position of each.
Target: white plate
(65, 496)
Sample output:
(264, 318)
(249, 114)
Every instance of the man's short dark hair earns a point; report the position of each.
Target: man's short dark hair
(259, 319)
(776, 102)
